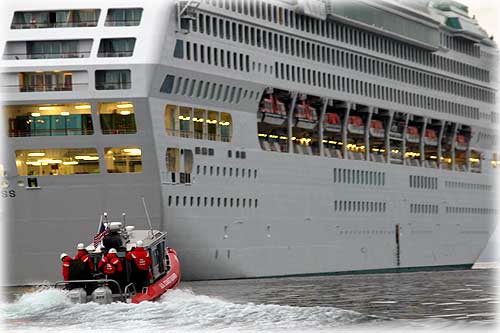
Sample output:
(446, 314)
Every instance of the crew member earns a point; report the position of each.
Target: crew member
(140, 263)
(83, 266)
(111, 265)
(66, 263)
(113, 239)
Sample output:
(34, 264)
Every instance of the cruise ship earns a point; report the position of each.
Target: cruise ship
(268, 138)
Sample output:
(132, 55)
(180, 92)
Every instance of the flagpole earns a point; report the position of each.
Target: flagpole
(99, 227)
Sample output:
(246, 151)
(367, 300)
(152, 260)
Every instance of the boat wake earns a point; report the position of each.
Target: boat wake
(178, 310)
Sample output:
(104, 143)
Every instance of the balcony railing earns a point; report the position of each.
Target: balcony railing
(122, 23)
(115, 54)
(24, 56)
(51, 132)
(43, 25)
(119, 131)
(113, 85)
(198, 135)
(42, 88)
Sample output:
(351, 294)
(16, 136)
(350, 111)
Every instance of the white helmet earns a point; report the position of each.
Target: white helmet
(139, 243)
(63, 255)
(112, 250)
(80, 246)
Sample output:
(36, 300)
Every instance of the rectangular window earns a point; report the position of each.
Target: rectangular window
(123, 159)
(57, 162)
(46, 81)
(117, 118)
(55, 19)
(45, 49)
(49, 120)
(116, 47)
(123, 17)
(118, 79)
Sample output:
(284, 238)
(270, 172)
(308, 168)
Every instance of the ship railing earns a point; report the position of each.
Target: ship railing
(197, 135)
(42, 25)
(51, 132)
(59, 87)
(122, 23)
(106, 85)
(112, 54)
(59, 55)
(119, 131)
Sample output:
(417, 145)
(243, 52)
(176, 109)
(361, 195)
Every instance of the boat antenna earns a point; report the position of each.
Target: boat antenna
(124, 220)
(147, 216)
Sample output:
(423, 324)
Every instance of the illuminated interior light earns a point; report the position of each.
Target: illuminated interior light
(70, 163)
(35, 114)
(325, 141)
(433, 157)
(65, 113)
(132, 151)
(36, 154)
(83, 107)
(125, 106)
(262, 135)
(49, 161)
(57, 71)
(294, 138)
(283, 137)
(125, 112)
(91, 158)
(46, 108)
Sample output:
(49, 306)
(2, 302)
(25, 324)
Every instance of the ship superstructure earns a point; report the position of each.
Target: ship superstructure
(269, 138)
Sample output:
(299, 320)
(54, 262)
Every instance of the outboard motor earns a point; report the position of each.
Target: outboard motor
(102, 295)
(77, 295)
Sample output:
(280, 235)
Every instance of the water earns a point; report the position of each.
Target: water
(428, 300)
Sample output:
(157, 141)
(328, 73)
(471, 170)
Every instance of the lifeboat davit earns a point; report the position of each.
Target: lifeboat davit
(305, 115)
(461, 142)
(430, 137)
(412, 134)
(272, 111)
(332, 122)
(377, 128)
(356, 125)
(164, 273)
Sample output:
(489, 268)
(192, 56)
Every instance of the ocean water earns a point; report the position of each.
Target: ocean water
(423, 300)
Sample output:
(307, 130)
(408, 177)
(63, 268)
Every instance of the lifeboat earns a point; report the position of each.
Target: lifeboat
(332, 122)
(305, 115)
(355, 125)
(164, 273)
(272, 111)
(461, 142)
(377, 128)
(430, 137)
(412, 134)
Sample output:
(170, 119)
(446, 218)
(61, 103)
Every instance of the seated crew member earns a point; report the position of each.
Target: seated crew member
(111, 265)
(66, 263)
(141, 263)
(113, 240)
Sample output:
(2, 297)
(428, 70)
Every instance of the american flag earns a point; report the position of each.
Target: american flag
(103, 231)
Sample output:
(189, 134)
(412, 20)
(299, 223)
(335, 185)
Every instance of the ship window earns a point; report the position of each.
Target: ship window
(48, 81)
(55, 19)
(49, 119)
(230, 172)
(204, 170)
(218, 202)
(191, 201)
(225, 202)
(113, 79)
(177, 200)
(117, 118)
(123, 159)
(168, 85)
(57, 162)
(224, 171)
(256, 203)
(116, 47)
(231, 201)
(123, 17)
(169, 200)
